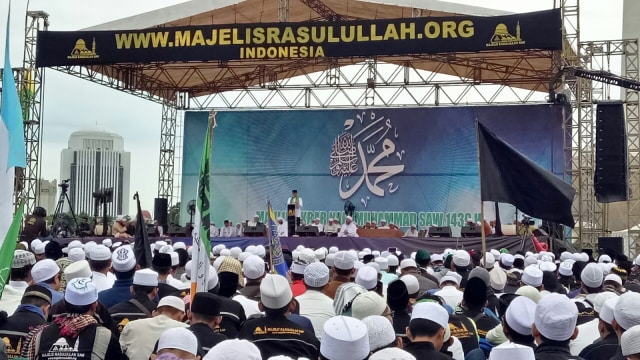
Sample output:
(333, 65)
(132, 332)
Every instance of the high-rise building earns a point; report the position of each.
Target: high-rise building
(96, 160)
(48, 197)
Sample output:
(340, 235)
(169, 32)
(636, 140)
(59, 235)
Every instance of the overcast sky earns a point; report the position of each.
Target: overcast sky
(72, 104)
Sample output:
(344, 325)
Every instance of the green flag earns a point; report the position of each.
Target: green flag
(201, 241)
(8, 247)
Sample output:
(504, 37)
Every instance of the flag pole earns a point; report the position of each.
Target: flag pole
(482, 234)
(273, 269)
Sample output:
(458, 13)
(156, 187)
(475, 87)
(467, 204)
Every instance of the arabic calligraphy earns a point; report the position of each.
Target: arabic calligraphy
(367, 150)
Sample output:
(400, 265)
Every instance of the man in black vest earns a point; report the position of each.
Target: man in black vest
(161, 264)
(31, 313)
(143, 290)
(204, 317)
(77, 334)
(274, 334)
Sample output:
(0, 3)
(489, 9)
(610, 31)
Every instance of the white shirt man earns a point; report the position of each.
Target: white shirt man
(449, 290)
(348, 229)
(297, 201)
(383, 225)
(412, 232)
(239, 230)
(228, 230)
(213, 230)
(316, 223)
(283, 228)
(255, 221)
(332, 227)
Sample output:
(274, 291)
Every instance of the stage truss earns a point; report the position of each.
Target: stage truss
(480, 78)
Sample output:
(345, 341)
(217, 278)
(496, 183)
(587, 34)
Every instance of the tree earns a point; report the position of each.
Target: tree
(174, 214)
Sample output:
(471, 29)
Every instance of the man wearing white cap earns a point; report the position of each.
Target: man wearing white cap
(76, 335)
(139, 336)
(314, 304)
(254, 271)
(625, 316)
(554, 326)
(342, 270)
(234, 349)
(449, 289)
(100, 261)
(410, 267)
(332, 227)
(47, 273)
(460, 264)
(20, 277)
(427, 331)
(518, 320)
(283, 228)
(139, 305)
(348, 229)
(607, 344)
(412, 231)
(123, 263)
(274, 334)
(630, 343)
(316, 223)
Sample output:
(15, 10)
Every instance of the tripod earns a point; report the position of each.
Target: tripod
(60, 224)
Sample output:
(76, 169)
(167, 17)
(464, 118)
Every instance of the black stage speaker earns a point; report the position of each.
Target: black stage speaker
(610, 178)
(439, 231)
(255, 231)
(307, 230)
(471, 231)
(160, 211)
(608, 244)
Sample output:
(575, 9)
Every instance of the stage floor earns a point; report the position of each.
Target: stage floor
(406, 245)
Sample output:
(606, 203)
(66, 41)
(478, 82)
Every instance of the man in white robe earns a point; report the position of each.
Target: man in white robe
(348, 229)
(412, 232)
(283, 228)
(383, 225)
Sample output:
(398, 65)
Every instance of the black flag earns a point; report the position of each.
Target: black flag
(510, 177)
(141, 248)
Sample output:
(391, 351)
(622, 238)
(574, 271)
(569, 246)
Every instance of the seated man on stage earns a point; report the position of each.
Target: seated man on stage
(316, 223)
(332, 227)
(228, 230)
(84, 228)
(383, 225)
(348, 229)
(283, 228)
(412, 232)
(374, 225)
(119, 228)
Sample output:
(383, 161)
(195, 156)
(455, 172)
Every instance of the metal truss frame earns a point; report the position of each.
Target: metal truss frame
(168, 131)
(31, 85)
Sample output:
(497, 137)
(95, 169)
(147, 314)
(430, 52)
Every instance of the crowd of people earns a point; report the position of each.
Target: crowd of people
(94, 301)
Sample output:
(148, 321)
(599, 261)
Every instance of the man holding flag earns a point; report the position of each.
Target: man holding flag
(201, 240)
(12, 155)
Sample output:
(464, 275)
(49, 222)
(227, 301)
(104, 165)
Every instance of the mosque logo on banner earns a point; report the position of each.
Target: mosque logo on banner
(80, 50)
(367, 152)
(502, 36)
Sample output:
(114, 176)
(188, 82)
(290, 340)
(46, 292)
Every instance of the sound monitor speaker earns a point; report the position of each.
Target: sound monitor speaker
(255, 231)
(610, 177)
(609, 244)
(440, 231)
(160, 211)
(307, 230)
(471, 231)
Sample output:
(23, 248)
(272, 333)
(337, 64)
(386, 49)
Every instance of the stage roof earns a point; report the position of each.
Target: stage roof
(528, 69)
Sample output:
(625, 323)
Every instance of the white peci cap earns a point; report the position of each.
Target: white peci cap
(520, 315)
(532, 275)
(407, 263)
(393, 353)
(607, 310)
(123, 259)
(630, 341)
(253, 267)
(172, 301)
(556, 317)
(234, 349)
(145, 277)
(180, 339)
(78, 269)
(76, 254)
(380, 330)
(44, 270)
(461, 258)
(592, 276)
(626, 311)
(316, 275)
(344, 338)
(367, 277)
(100, 253)
(344, 260)
(431, 311)
(275, 292)
(413, 287)
(81, 291)
(511, 351)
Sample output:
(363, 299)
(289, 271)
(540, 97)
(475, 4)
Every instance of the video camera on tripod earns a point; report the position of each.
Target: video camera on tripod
(62, 225)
